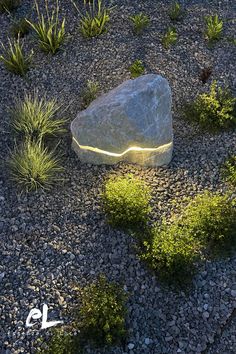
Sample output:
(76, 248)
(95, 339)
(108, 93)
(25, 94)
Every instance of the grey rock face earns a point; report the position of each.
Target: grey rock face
(132, 123)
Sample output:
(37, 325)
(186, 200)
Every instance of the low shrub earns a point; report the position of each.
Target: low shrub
(89, 93)
(126, 202)
(94, 20)
(20, 28)
(140, 22)
(169, 38)
(33, 166)
(136, 69)
(229, 170)
(101, 316)
(36, 118)
(49, 30)
(205, 74)
(14, 59)
(207, 224)
(175, 11)
(214, 111)
(214, 28)
(8, 5)
(61, 342)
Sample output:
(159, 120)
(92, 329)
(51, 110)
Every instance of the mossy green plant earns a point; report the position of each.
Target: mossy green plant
(126, 202)
(140, 22)
(169, 38)
(136, 69)
(229, 170)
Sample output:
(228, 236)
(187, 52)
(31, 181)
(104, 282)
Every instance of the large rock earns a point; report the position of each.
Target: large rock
(132, 122)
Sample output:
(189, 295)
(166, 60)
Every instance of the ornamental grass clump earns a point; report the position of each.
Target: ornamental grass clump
(8, 5)
(36, 118)
(89, 93)
(214, 28)
(136, 69)
(95, 18)
(229, 170)
(101, 316)
(169, 38)
(175, 11)
(14, 59)
(49, 30)
(213, 111)
(140, 22)
(126, 202)
(20, 28)
(33, 166)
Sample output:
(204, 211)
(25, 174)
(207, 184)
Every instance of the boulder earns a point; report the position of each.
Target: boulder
(131, 123)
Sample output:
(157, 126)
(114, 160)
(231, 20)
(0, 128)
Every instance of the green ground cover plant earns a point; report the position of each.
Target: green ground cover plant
(213, 111)
(175, 11)
(14, 59)
(101, 316)
(89, 93)
(61, 342)
(95, 18)
(49, 30)
(214, 28)
(8, 5)
(136, 69)
(33, 166)
(229, 170)
(140, 22)
(207, 225)
(36, 118)
(169, 38)
(126, 202)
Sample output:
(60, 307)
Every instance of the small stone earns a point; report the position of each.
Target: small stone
(233, 293)
(131, 346)
(147, 341)
(205, 314)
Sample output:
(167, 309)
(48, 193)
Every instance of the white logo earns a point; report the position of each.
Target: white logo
(36, 314)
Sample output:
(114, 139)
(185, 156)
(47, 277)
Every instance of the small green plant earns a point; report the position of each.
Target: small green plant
(14, 59)
(33, 166)
(35, 118)
(94, 21)
(136, 69)
(49, 30)
(89, 93)
(206, 225)
(61, 342)
(8, 5)
(101, 316)
(140, 22)
(214, 28)
(169, 38)
(175, 11)
(126, 202)
(213, 111)
(20, 28)
(229, 170)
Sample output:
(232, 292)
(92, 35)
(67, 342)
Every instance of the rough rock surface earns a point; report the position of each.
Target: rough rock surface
(137, 113)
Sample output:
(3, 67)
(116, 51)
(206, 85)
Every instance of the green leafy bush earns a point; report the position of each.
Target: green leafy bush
(14, 59)
(35, 118)
(8, 5)
(175, 11)
(140, 22)
(172, 252)
(33, 166)
(126, 201)
(136, 69)
(20, 28)
(169, 38)
(213, 111)
(89, 93)
(229, 170)
(101, 317)
(49, 30)
(61, 342)
(95, 19)
(214, 28)
(207, 224)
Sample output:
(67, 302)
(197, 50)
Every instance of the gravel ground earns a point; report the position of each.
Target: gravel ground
(51, 242)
